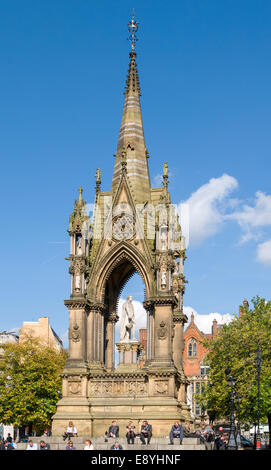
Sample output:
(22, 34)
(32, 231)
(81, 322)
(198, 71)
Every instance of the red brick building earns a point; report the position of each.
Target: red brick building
(195, 367)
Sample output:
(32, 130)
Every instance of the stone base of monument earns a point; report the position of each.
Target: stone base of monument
(128, 354)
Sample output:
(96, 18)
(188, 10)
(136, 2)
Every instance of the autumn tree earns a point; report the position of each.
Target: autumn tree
(235, 348)
(30, 384)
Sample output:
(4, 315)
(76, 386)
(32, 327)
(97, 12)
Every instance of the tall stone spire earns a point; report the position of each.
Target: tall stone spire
(131, 143)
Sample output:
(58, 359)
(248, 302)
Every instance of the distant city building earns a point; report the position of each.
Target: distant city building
(7, 337)
(195, 367)
(42, 331)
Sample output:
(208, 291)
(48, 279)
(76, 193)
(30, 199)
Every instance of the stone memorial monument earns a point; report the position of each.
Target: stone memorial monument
(134, 230)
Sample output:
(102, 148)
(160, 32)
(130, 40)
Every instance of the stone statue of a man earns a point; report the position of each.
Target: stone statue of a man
(127, 325)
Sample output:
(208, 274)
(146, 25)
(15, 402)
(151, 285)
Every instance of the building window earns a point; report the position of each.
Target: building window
(204, 370)
(192, 348)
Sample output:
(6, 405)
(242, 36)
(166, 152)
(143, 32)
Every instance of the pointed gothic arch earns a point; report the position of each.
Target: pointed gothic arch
(125, 260)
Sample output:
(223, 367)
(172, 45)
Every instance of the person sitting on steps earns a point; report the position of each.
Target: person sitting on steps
(113, 431)
(130, 432)
(146, 432)
(176, 431)
(71, 431)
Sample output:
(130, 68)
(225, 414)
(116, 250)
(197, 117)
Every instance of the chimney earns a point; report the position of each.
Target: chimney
(214, 328)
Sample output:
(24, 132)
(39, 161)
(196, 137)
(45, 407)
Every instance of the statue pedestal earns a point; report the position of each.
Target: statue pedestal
(128, 354)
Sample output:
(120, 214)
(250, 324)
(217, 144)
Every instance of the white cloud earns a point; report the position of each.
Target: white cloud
(158, 180)
(204, 322)
(207, 207)
(264, 253)
(252, 218)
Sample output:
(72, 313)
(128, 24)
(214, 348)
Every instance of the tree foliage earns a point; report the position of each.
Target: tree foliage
(30, 383)
(235, 348)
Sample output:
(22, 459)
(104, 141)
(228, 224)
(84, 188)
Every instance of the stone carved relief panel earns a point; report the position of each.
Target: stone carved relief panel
(74, 386)
(104, 388)
(161, 387)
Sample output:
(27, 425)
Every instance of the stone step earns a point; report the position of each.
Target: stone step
(121, 440)
(107, 446)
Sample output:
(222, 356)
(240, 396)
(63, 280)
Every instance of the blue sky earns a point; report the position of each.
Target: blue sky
(205, 74)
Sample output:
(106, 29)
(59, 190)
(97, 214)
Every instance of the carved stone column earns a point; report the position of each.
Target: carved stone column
(95, 335)
(110, 341)
(179, 319)
(77, 331)
(162, 329)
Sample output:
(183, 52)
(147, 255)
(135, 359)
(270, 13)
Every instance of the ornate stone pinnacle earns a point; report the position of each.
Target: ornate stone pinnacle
(98, 179)
(133, 28)
(80, 197)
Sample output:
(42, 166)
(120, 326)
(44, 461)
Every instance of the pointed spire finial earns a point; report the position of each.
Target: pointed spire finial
(98, 179)
(133, 28)
(80, 197)
(165, 175)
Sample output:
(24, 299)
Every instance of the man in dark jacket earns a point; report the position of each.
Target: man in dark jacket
(113, 431)
(176, 431)
(44, 446)
(220, 443)
(116, 446)
(146, 432)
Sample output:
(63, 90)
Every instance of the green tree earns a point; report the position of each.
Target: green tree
(235, 348)
(30, 383)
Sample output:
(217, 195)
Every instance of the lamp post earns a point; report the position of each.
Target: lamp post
(232, 445)
(258, 366)
(238, 437)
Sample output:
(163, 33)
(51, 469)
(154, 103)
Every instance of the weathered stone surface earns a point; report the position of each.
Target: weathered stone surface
(57, 443)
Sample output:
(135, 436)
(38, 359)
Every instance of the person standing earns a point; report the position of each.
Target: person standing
(220, 443)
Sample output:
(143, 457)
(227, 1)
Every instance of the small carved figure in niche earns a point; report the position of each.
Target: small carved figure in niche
(79, 246)
(163, 278)
(77, 282)
(176, 266)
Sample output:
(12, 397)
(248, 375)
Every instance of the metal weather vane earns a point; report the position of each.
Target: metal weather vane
(133, 28)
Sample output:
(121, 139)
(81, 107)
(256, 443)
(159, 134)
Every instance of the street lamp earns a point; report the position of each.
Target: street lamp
(258, 366)
(238, 437)
(232, 445)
